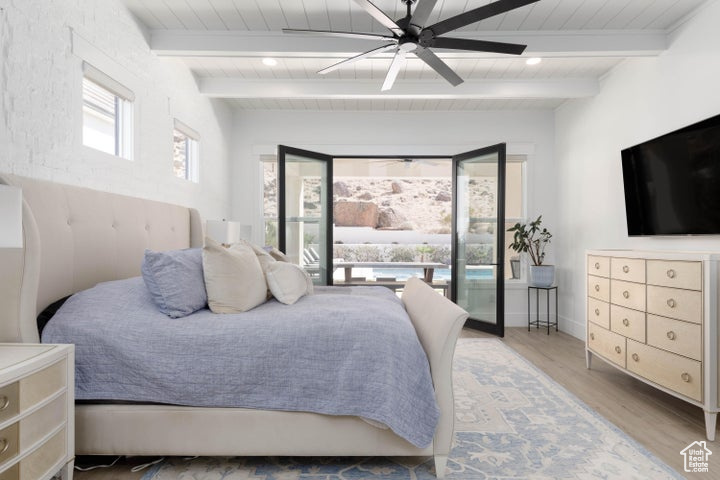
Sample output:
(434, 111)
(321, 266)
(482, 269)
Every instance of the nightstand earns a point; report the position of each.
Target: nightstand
(37, 411)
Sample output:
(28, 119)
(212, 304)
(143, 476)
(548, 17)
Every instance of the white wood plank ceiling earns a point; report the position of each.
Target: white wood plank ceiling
(224, 41)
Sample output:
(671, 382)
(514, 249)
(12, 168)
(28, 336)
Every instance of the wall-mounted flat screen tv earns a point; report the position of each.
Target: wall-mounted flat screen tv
(672, 183)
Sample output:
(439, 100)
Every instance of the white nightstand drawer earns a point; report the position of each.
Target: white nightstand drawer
(40, 385)
(9, 401)
(45, 458)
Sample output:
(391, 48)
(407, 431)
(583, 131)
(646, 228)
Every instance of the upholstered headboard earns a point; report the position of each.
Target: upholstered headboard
(76, 237)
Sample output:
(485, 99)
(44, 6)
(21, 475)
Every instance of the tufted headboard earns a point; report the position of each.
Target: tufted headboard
(76, 237)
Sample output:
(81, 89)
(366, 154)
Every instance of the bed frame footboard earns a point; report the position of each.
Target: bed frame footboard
(438, 322)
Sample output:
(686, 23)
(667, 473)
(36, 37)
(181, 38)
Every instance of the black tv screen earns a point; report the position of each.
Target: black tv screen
(672, 183)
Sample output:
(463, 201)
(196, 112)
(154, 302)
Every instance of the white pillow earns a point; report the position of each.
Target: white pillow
(288, 282)
(234, 279)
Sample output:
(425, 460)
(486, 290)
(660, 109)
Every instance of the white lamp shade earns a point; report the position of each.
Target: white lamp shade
(10, 217)
(227, 232)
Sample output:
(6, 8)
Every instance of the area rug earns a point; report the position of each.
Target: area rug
(512, 422)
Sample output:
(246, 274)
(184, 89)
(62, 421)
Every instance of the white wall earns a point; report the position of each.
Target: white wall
(40, 104)
(639, 100)
(397, 133)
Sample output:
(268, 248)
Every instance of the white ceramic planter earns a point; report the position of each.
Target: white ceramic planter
(542, 275)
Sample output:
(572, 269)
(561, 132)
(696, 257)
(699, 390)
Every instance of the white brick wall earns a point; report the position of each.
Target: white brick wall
(41, 116)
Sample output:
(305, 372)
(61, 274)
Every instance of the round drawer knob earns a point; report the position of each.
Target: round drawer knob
(4, 445)
(592, 336)
(597, 265)
(618, 349)
(671, 335)
(597, 288)
(4, 402)
(671, 303)
(626, 269)
(626, 294)
(671, 273)
(686, 377)
(626, 322)
(597, 312)
(635, 357)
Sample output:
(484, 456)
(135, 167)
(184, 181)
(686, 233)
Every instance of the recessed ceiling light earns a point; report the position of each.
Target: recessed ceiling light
(533, 60)
(270, 62)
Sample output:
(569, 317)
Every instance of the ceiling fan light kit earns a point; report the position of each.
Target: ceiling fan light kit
(410, 35)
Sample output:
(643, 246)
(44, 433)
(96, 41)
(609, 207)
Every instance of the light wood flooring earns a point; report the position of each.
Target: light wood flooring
(661, 423)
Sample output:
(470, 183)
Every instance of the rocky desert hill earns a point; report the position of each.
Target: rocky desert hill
(419, 204)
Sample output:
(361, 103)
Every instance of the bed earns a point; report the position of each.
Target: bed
(75, 238)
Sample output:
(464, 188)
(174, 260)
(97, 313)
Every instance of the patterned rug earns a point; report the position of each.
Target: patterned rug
(512, 422)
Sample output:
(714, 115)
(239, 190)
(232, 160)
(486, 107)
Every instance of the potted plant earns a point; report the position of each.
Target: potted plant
(532, 238)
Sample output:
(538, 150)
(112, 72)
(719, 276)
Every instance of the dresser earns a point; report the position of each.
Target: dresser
(36, 411)
(654, 315)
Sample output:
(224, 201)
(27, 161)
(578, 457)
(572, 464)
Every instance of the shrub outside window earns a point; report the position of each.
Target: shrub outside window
(186, 151)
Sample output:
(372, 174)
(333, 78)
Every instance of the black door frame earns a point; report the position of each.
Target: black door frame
(328, 159)
(498, 328)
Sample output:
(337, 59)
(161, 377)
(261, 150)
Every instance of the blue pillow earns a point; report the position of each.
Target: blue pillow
(175, 280)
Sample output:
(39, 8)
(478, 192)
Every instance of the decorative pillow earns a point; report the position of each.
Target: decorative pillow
(288, 282)
(175, 281)
(277, 254)
(233, 277)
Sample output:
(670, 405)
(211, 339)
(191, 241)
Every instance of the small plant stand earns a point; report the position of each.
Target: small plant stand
(537, 321)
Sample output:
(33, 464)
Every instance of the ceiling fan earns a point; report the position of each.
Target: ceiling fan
(409, 34)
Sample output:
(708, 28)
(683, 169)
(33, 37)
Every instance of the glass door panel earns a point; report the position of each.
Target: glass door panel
(304, 210)
(478, 236)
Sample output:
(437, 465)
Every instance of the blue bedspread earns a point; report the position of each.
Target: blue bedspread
(342, 351)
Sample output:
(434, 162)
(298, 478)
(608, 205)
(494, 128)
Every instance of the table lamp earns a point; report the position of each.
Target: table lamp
(227, 232)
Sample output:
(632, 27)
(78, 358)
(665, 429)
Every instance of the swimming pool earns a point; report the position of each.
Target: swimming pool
(402, 274)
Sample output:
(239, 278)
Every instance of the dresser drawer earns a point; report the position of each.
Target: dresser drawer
(9, 442)
(627, 294)
(599, 312)
(627, 322)
(607, 344)
(687, 275)
(599, 287)
(628, 269)
(9, 401)
(599, 266)
(675, 336)
(12, 473)
(40, 385)
(675, 303)
(677, 373)
(41, 461)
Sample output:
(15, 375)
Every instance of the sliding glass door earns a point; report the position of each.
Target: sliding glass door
(478, 240)
(305, 210)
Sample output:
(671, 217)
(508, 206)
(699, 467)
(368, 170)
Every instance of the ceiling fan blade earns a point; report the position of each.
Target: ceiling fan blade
(421, 14)
(331, 33)
(478, 45)
(438, 65)
(394, 69)
(477, 14)
(354, 59)
(380, 16)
